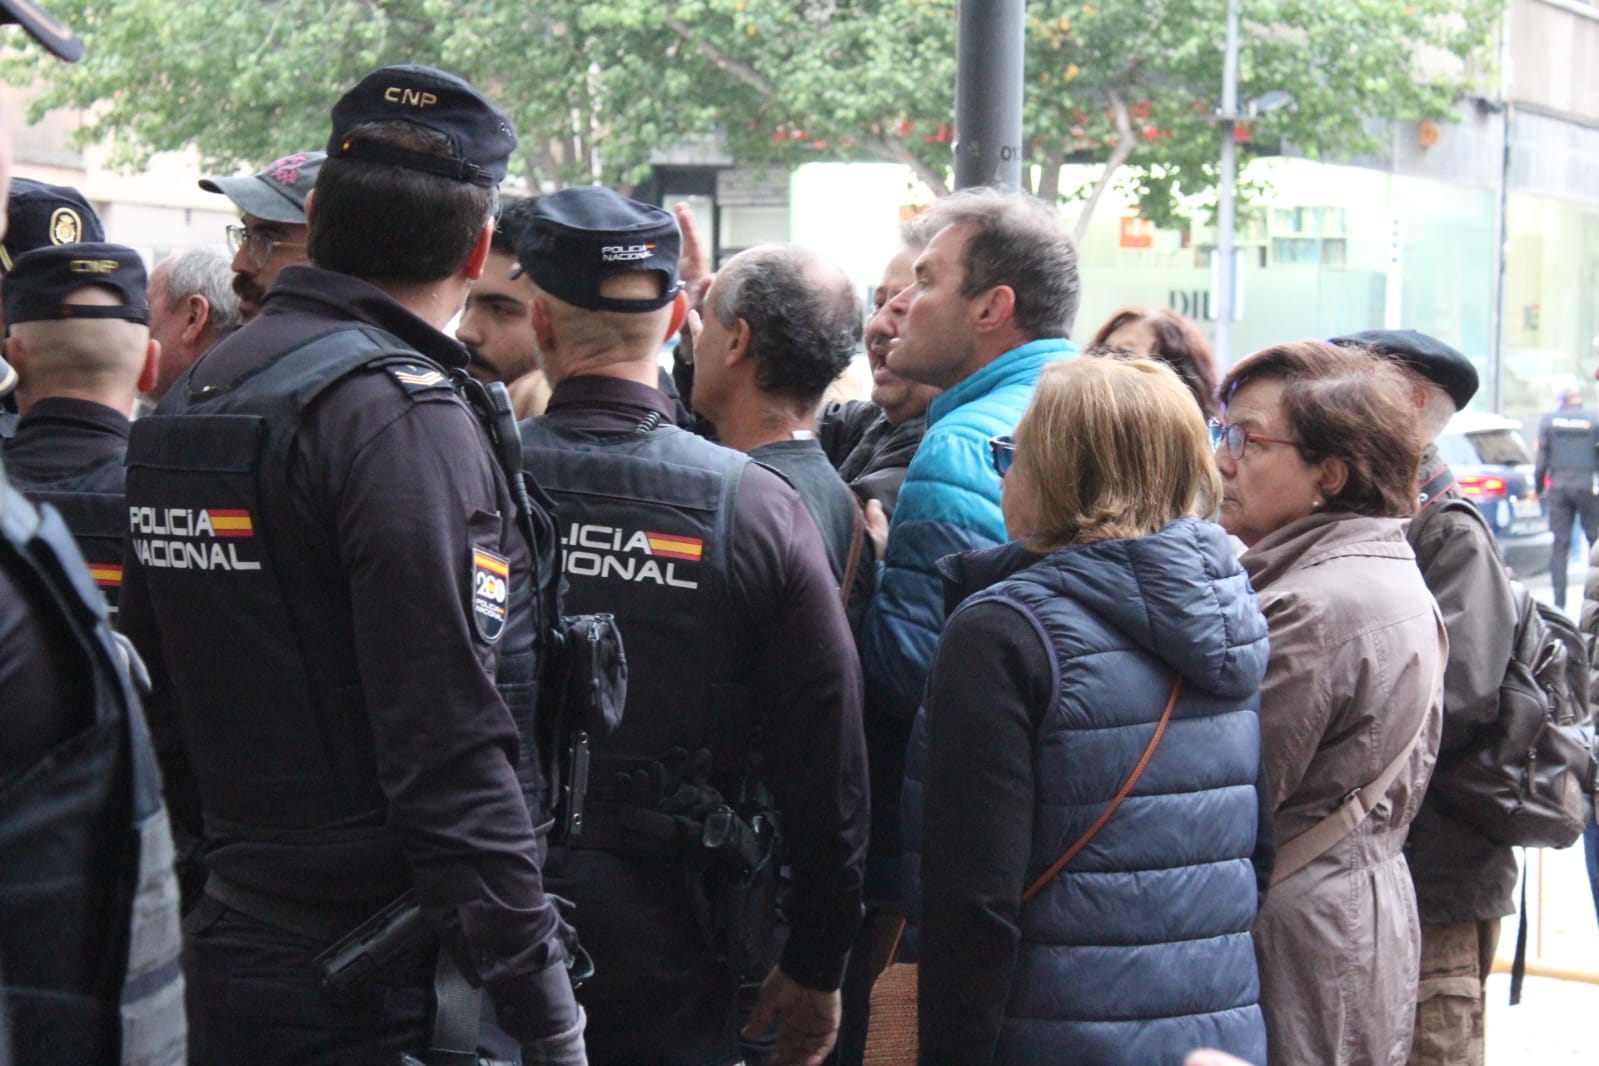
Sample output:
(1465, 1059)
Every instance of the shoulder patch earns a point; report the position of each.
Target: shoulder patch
(417, 377)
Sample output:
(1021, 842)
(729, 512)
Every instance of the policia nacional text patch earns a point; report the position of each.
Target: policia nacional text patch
(491, 590)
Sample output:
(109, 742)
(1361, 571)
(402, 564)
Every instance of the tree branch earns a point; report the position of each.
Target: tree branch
(895, 150)
(1118, 156)
(721, 60)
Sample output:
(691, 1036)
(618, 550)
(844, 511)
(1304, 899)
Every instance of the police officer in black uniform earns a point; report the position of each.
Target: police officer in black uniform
(88, 905)
(88, 901)
(41, 216)
(743, 677)
(324, 566)
(78, 330)
(1567, 472)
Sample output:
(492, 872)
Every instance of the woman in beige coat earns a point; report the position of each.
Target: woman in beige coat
(1318, 456)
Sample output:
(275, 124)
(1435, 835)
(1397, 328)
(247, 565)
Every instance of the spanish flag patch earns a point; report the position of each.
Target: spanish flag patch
(673, 547)
(106, 575)
(230, 523)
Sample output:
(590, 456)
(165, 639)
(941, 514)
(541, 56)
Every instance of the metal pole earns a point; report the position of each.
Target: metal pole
(1227, 193)
(988, 93)
(1501, 226)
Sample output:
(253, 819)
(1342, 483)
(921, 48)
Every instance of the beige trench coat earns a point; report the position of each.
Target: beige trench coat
(1357, 653)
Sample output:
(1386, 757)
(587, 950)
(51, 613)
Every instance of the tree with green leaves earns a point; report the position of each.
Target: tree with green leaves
(595, 87)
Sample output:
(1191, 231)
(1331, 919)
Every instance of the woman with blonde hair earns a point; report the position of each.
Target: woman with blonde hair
(1318, 457)
(1095, 694)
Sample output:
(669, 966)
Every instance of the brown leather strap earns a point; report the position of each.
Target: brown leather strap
(1127, 786)
(857, 538)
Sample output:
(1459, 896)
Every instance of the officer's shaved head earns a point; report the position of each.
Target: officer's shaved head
(91, 358)
(577, 337)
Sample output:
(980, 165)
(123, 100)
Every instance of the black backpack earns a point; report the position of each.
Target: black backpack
(1528, 778)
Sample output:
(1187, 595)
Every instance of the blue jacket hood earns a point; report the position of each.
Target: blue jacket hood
(1179, 593)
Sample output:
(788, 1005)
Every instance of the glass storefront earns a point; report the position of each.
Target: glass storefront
(1551, 300)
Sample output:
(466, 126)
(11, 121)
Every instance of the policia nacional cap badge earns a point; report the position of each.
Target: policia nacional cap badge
(491, 590)
(44, 215)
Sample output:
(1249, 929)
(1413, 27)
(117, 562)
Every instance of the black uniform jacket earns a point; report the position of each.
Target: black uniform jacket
(802, 662)
(390, 490)
(68, 452)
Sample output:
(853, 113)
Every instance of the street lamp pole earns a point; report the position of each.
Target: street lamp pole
(1226, 279)
(989, 45)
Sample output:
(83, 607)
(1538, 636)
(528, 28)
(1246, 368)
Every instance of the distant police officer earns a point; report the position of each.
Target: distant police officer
(88, 905)
(41, 216)
(78, 336)
(744, 709)
(323, 568)
(1567, 472)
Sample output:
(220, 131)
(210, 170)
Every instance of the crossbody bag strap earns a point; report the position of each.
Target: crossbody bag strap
(1127, 787)
(1294, 855)
(1355, 808)
(857, 539)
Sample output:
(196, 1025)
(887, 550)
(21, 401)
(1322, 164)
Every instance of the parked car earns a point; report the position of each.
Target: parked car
(1493, 466)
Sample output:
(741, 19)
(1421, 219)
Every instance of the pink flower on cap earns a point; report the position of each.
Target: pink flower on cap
(286, 171)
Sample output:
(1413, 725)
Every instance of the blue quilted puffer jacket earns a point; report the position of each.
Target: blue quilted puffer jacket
(949, 503)
(1139, 950)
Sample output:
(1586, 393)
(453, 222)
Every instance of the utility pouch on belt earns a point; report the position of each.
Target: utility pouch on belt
(586, 690)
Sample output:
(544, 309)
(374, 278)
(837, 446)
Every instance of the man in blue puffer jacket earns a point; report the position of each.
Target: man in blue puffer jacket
(993, 301)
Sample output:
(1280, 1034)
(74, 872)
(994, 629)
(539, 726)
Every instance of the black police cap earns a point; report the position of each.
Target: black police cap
(480, 135)
(42, 282)
(582, 235)
(43, 27)
(1427, 356)
(42, 215)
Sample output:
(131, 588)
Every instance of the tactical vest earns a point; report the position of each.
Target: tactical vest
(1571, 443)
(280, 739)
(93, 507)
(647, 521)
(56, 820)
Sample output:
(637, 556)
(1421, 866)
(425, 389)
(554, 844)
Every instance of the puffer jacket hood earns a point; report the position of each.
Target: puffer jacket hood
(1178, 594)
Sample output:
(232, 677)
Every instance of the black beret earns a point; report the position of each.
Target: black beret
(1427, 356)
(41, 215)
(582, 235)
(481, 136)
(38, 287)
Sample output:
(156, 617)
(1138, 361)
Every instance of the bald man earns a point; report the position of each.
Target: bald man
(82, 353)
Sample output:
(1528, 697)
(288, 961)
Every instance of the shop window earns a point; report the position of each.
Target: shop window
(1308, 236)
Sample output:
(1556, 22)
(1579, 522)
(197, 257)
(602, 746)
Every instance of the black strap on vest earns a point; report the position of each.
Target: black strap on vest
(1436, 486)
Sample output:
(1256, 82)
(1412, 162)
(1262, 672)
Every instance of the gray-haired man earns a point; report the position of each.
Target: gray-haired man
(192, 306)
